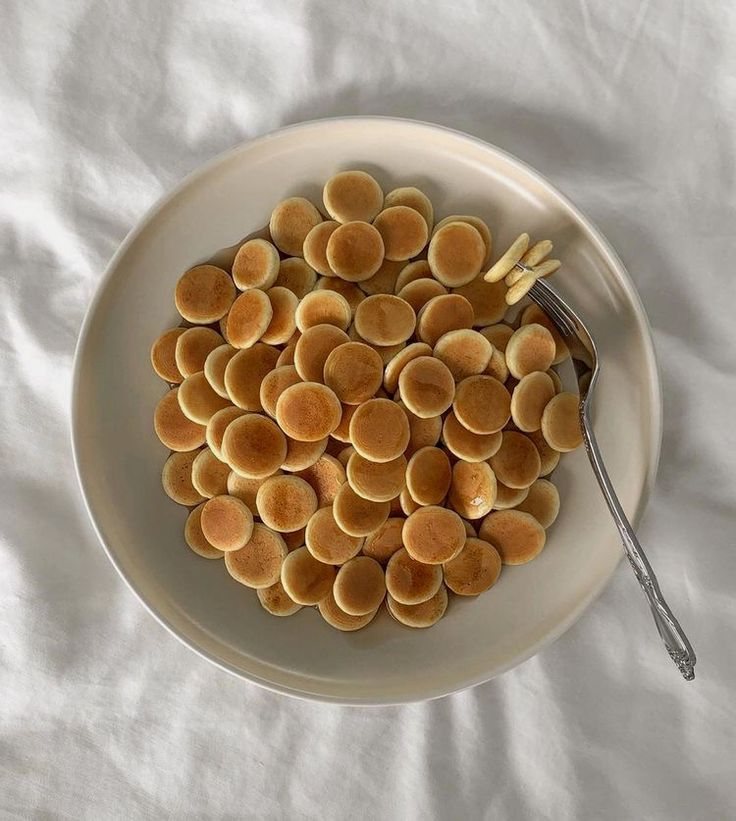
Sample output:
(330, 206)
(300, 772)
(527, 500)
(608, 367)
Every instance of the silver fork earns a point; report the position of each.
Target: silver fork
(587, 367)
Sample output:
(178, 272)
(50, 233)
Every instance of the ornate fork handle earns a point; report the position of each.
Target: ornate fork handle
(669, 629)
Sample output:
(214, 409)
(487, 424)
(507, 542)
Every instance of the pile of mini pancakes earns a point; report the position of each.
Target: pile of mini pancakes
(355, 414)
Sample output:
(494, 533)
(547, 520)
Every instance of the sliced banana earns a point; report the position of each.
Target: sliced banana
(508, 260)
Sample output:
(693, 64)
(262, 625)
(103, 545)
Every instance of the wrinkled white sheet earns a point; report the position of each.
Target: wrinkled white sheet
(629, 108)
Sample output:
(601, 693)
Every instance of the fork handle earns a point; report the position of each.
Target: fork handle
(675, 640)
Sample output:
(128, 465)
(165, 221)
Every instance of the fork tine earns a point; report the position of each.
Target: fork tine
(547, 302)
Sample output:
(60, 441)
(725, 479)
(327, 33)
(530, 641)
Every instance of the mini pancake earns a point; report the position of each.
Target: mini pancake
(427, 386)
(217, 425)
(313, 348)
(291, 221)
(349, 290)
(428, 476)
(360, 586)
(396, 507)
(482, 404)
(226, 522)
(549, 457)
(473, 489)
(498, 335)
(258, 563)
(344, 455)
(326, 476)
(308, 411)
(354, 371)
(497, 367)
(517, 463)
(163, 356)
(276, 601)
(249, 318)
(209, 474)
(176, 479)
(376, 481)
(456, 254)
(223, 328)
(531, 348)
(420, 291)
(421, 615)
(296, 276)
(315, 247)
(398, 362)
(352, 195)
(306, 580)
(487, 298)
(419, 269)
(479, 226)
(530, 398)
(214, 368)
(379, 430)
(204, 294)
(256, 265)
(286, 503)
(355, 251)
(195, 539)
(517, 536)
(245, 489)
(561, 422)
(474, 570)
(294, 539)
(342, 431)
(441, 314)
(197, 399)
(301, 455)
(340, 620)
(357, 516)
(465, 352)
(385, 319)
(433, 534)
(556, 381)
(174, 429)
(409, 581)
(283, 319)
(534, 315)
(508, 260)
(384, 280)
(472, 447)
(507, 497)
(246, 371)
(274, 384)
(407, 504)
(384, 542)
(422, 432)
(469, 529)
(412, 198)
(254, 446)
(404, 232)
(543, 502)
(323, 308)
(327, 541)
(286, 357)
(193, 347)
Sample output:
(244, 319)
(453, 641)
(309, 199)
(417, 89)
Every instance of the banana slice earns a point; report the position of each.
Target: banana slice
(549, 457)
(327, 541)
(475, 569)
(306, 580)
(465, 352)
(379, 429)
(163, 356)
(456, 254)
(420, 292)
(409, 581)
(509, 259)
(448, 312)
(326, 476)
(296, 276)
(291, 221)
(204, 294)
(193, 347)
(428, 476)
(274, 384)
(323, 308)
(433, 534)
(355, 251)
(385, 319)
(340, 620)
(419, 269)
(226, 522)
(472, 447)
(482, 404)
(384, 280)
(543, 502)
(286, 503)
(376, 481)
(517, 463)
(360, 586)
(352, 195)
(516, 535)
(477, 223)
(249, 318)
(315, 247)
(508, 497)
(174, 429)
(308, 411)
(561, 422)
(427, 386)
(487, 298)
(313, 348)
(419, 615)
(198, 401)
(258, 563)
(412, 198)
(473, 489)
(245, 372)
(176, 479)
(531, 348)
(384, 542)
(357, 516)
(354, 371)
(256, 265)
(214, 368)
(195, 539)
(216, 428)
(209, 474)
(254, 446)
(245, 489)
(403, 230)
(530, 398)
(349, 290)
(301, 455)
(277, 601)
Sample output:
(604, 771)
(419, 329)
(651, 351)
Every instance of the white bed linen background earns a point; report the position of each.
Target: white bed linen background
(629, 108)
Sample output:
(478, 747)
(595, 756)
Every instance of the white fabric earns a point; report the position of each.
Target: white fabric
(629, 108)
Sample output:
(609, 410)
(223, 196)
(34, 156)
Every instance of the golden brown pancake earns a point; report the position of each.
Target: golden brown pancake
(474, 570)
(360, 586)
(286, 503)
(428, 476)
(296, 276)
(465, 352)
(456, 254)
(561, 422)
(433, 534)
(254, 446)
(193, 347)
(441, 314)
(327, 541)
(209, 474)
(163, 356)
(195, 539)
(176, 479)
(226, 522)
(409, 581)
(354, 371)
(308, 411)
(258, 563)
(427, 386)
(256, 265)
(385, 319)
(357, 516)
(384, 542)
(379, 430)
(305, 579)
(291, 221)
(355, 251)
(174, 429)
(245, 372)
(472, 447)
(323, 308)
(412, 198)
(482, 404)
(204, 294)
(326, 476)
(404, 232)
(352, 195)
(473, 489)
(315, 247)
(517, 463)
(516, 535)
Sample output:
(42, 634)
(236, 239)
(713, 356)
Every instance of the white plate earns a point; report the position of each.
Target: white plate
(119, 459)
